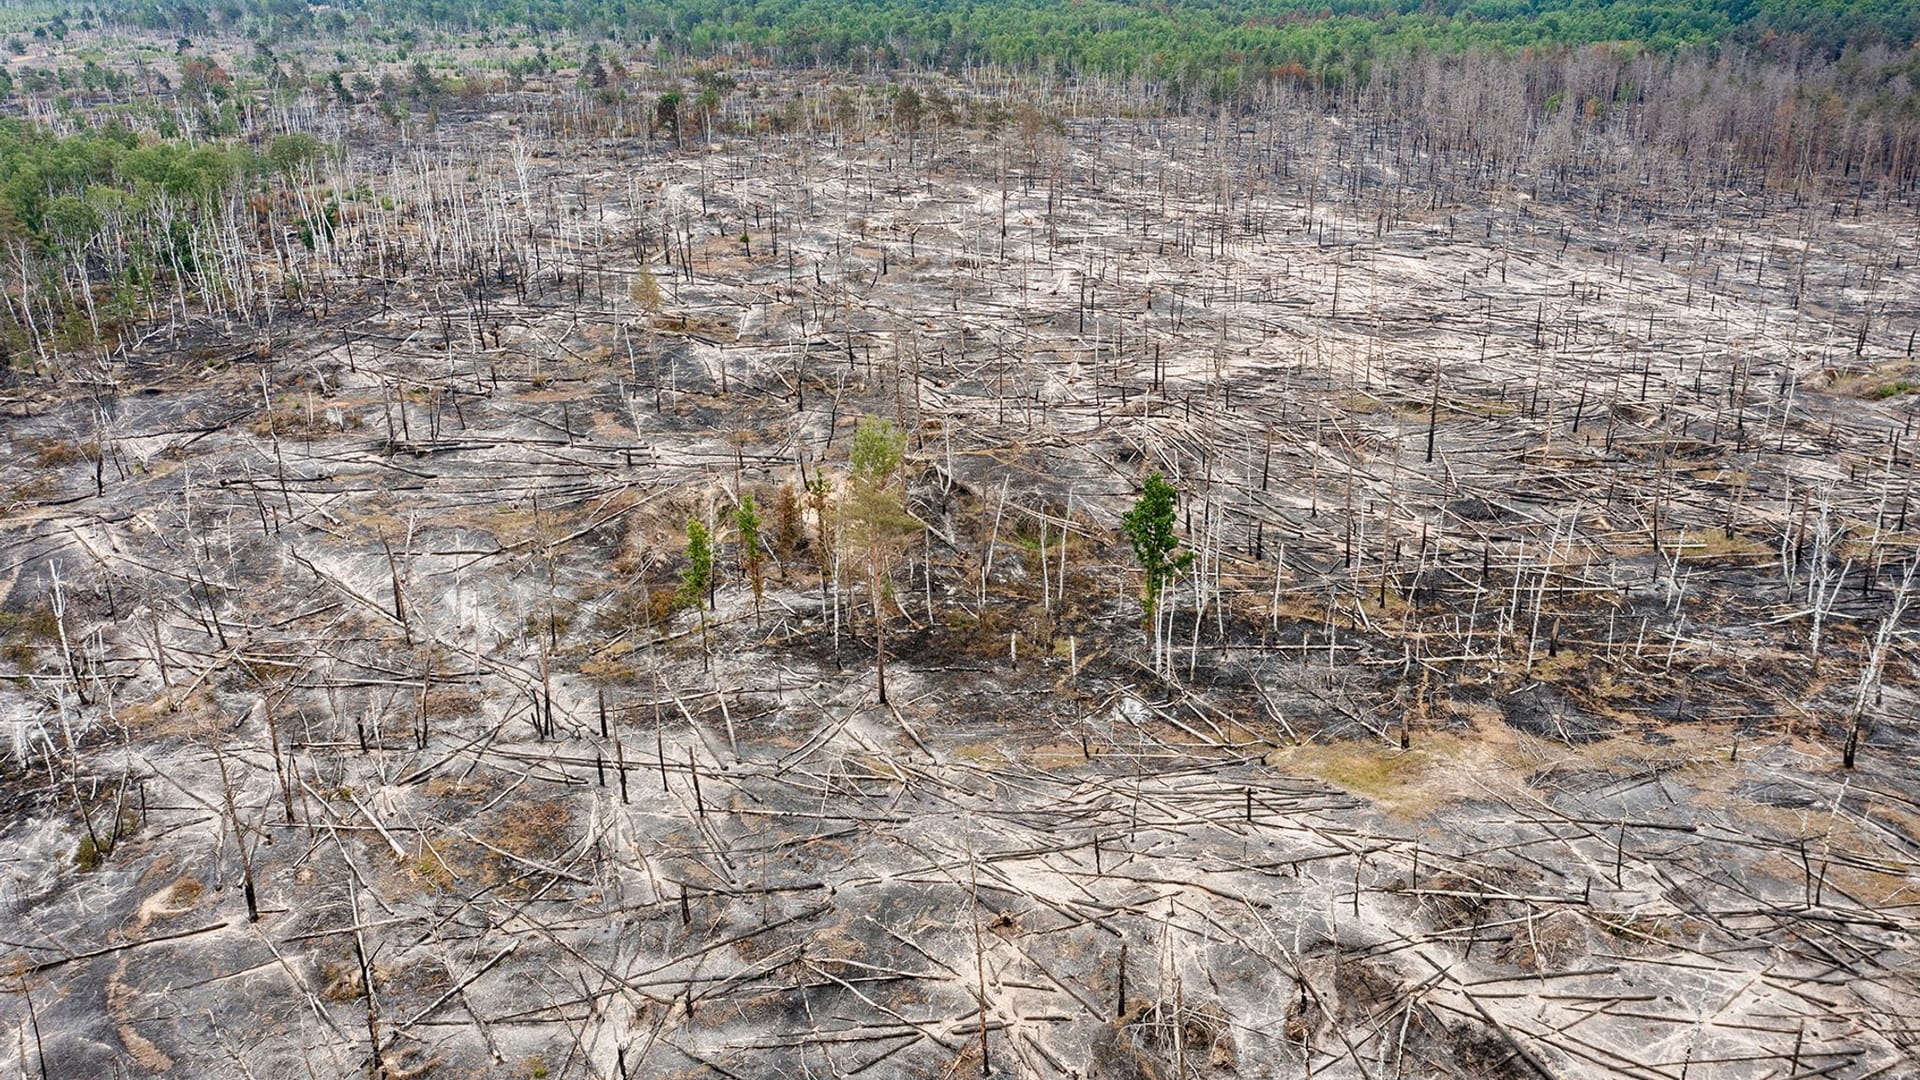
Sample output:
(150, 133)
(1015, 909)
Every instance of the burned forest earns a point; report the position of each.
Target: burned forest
(706, 566)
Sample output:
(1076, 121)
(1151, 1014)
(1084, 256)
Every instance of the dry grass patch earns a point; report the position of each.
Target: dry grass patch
(1054, 755)
(537, 831)
(1398, 781)
(177, 899)
(58, 453)
(1443, 767)
(450, 703)
(1716, 544)
(981, 753)
(168, 715)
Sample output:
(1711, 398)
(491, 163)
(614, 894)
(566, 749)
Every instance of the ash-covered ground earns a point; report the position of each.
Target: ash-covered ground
(1552, 555)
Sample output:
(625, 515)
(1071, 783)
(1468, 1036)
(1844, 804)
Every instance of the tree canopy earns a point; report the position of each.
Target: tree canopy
(1211, 44)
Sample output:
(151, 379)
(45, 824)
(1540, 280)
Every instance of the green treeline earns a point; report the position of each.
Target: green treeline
(1219, 42)
(54, 188)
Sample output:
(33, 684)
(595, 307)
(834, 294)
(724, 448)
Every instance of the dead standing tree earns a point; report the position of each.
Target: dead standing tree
(1870, 672)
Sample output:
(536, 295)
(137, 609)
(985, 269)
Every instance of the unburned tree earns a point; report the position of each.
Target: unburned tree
(696, 581)
(666, 114)
(746, 520)
(1150, 530)
(874, 515)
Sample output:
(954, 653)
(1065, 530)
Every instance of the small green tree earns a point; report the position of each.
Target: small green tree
(1150, 529)
(666, 114)
(705, 102)
(819, 496)
(696, 581)
(593, 73)
(288, 154)
(908, 108)
(746, 521)
(423, 85)
(875, 513)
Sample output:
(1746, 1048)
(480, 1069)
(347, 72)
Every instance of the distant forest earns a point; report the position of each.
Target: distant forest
(1218, 45)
